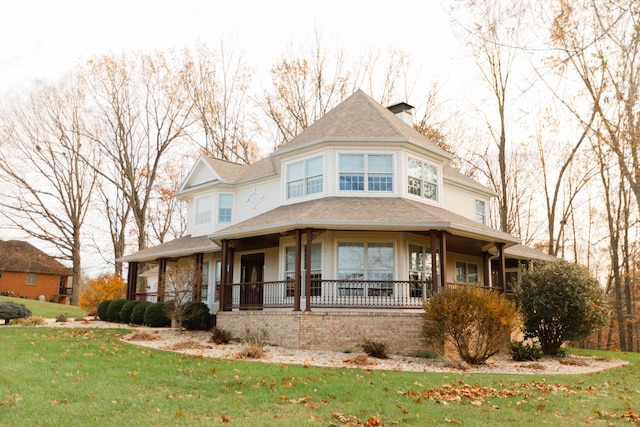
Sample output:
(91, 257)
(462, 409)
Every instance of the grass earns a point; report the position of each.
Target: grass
(78, 377)
(47, 309)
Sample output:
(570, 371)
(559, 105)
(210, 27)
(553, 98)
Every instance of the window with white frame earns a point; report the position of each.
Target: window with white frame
(305, 177)
(466, 272)
(481, 211)
(225, 208)
(423, 179)
(365, 269)
(419, 270)
(316, 269)
(204, 294)
(203, 207)
(366, 172)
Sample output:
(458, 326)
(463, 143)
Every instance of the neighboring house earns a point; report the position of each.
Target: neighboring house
(338, 236)
(27, 272)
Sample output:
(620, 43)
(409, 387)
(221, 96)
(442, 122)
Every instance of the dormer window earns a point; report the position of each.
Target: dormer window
(423, 179)
(305, 177)
(374, 169)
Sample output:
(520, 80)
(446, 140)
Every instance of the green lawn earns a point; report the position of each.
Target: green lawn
(80, 377)
(47, 309)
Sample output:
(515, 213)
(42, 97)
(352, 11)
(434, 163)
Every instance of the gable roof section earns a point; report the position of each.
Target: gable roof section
(22, 257)
(362, 213)
(182, 246)
(208, 169)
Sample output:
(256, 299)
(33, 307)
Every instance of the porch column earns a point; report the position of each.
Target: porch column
(443, 258)
(197, 285)
(502, 275)
(132, 281)
(307, 273)
(223, 274)
(162, 275)
(486, 268)
(298, 272)
(434, 262)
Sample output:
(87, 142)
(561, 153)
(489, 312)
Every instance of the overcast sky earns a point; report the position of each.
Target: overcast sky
(40, 39)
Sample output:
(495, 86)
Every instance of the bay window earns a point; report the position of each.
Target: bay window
(423, 179)
(305, 177)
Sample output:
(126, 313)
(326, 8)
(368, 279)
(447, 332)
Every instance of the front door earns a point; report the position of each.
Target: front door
(251, 290)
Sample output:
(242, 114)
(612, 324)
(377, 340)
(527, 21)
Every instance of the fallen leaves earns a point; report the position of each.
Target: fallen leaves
(352, 420)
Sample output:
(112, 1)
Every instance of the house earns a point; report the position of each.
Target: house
(27, 272)
(338, 236)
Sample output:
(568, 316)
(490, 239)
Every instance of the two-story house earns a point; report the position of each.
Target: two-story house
(339, 235)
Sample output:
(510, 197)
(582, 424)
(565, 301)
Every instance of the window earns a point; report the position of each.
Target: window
(31, 279)
(419, 270)
(466, 273)
(203, 207)
(481, 212)
(365, 269)
(225, 207)
(316, 269)
(305, 177)
(374, 169)
(204, 295)
(423, 179)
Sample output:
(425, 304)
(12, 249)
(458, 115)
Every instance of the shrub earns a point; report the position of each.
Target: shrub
(196, 316)
(113, 312)
(103, 287)
(12, 310)
(220, 336)
(61, 317)
(155, 315)
(127, 310)
(374, 349)
(478, 322)
(521, 352)
(137, 314)
(103, 307)
(29, 321)
(253, 343)
(560, 301)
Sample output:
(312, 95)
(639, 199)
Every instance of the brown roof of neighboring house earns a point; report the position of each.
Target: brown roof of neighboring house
(22, 257)
(182, 246)
(361, 213)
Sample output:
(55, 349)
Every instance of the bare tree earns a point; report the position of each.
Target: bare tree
(492, 38)
(217, 83)
(141, 111)
(45, 163)
(311, 80)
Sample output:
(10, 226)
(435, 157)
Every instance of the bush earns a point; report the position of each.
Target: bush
(220, 336)
(29, 321)
(137, 314)
(103, 307)
(560, 301)
(521, 352)
(113, 312)
(155, 315)
(478, 322)
(12, 310)
(196, 316)
(61, 317)
(103, 287)
(374, 349)
(127, 310)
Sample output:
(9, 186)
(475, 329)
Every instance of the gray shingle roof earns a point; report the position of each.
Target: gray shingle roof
(361, 213)
(182, 246)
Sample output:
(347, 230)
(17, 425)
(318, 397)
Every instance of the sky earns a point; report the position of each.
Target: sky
(42, 39)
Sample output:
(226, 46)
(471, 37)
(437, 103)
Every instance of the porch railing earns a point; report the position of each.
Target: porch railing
(358, 294)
